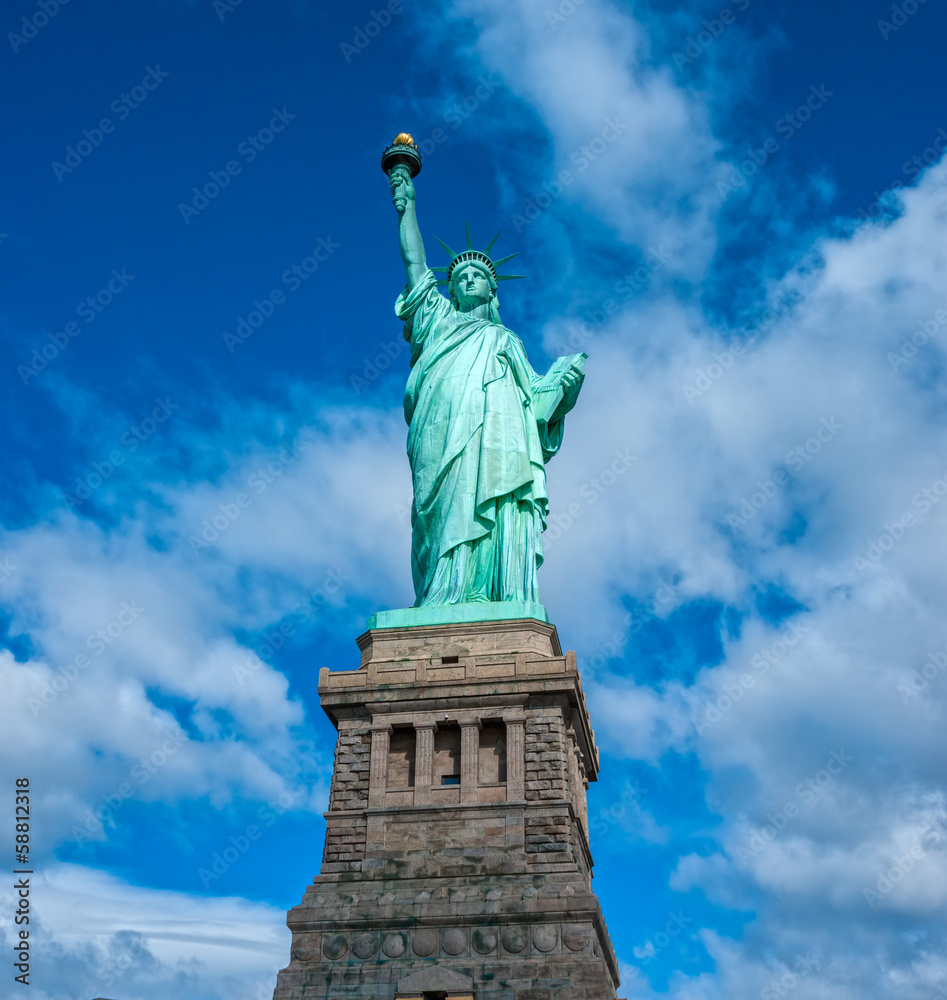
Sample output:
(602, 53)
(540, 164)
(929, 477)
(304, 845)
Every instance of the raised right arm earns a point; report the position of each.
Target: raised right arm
(409, 235)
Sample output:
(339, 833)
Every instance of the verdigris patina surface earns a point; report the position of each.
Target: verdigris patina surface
(482, 425)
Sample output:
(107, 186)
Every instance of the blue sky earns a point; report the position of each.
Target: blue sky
(695, 193)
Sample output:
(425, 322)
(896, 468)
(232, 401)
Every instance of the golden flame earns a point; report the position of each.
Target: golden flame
(403, 139)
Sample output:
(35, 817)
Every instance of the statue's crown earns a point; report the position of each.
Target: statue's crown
(476, 256)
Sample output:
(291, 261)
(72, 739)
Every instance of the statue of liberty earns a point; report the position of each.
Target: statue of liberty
(481, 422)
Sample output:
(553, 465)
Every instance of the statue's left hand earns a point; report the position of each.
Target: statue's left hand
(572, 379)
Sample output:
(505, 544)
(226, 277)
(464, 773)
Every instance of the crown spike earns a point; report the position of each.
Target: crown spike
(489, 246)
(503, 260)
(446, 247)
(509, 277)
(469, 241)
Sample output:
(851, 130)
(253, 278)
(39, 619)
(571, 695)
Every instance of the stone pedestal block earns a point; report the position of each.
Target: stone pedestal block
(456, 861)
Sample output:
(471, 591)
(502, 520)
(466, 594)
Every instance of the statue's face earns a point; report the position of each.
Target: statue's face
(471, 286)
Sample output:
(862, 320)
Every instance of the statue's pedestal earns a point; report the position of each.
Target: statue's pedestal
(456, 861)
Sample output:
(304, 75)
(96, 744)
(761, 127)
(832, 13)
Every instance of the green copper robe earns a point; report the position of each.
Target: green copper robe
(477, 455)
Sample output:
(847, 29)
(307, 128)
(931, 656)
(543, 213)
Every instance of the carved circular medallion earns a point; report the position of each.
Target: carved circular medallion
(335, 946)
(304, 948)
(575, 937)
(453, 941)
(514, 939)
(424, 943)
(394, 945)
(545, 937)
(364, 945)
(484, 940)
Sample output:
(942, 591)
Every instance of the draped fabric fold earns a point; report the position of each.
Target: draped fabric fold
(477, 455)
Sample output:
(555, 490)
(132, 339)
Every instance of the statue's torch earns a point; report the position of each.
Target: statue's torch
(402, 153)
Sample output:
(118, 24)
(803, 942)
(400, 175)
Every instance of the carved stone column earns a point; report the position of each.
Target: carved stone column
(469, 759)
(378, 775)
(515, 759)
(424, 762)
